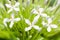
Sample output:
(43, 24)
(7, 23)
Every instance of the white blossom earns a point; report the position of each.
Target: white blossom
(49, 24)
(11, 20)
(13, 7)
(31, 25)
(39, 12)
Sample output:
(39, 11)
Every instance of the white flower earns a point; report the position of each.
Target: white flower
(31, 25)
(5, 21)
(49, 24)
(12, 20)
(39, 12)
(13, 7)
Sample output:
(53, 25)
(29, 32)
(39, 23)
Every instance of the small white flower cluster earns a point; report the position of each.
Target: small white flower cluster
(39, 13)
(13, 7)
(12, 19)
(31, 25)
(49, 24)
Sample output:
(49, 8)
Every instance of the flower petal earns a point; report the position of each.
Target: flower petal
(53, 26)
(49, 20)
(17, 4)
(17, 19)
(9, 10)
(43, 23)
(5, 21)
(11, 24)
(35, 19)
(27, 21)
(44, 15)
(8, 5)
(28, 28)
(49, 29)
(16, 9)
(37, 27)
(34, 11)
(40, 10)
(12, 16)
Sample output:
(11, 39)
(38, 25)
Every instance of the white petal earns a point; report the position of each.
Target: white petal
(49, 20)
(17, 4)
(44, 15)
(16, 9)
(17, 19)
(53, 26)
(34, 11)
(35, 19)
(43, 23)
(37, 27)
(5, 21)
(12, 16)
(49, 29)
(5, 24)
(41, 10)
(8, 5)
(28, 28)
(27, 21)
(9, 10)
(11, 24)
